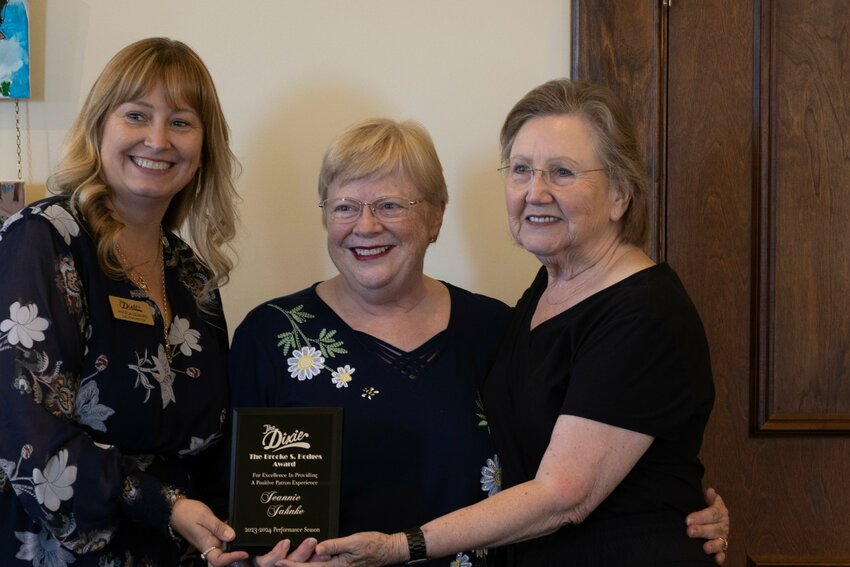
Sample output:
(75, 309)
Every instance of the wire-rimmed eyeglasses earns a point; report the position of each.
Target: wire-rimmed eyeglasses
(386, 209)
(519, 174)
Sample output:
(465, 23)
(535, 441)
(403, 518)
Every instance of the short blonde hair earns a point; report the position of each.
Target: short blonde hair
(380, 147)
(207, 205)
(616, 144)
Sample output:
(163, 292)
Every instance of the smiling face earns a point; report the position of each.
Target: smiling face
(562, 224)
(150, 151)
(386, 257)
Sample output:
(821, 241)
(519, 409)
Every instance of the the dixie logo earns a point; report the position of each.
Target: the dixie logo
(131, 306)
(276, 440)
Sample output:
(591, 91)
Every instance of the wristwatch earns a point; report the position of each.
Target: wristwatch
(416, 547)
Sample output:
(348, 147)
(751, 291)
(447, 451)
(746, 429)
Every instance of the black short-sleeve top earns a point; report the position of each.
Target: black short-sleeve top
(633, 355)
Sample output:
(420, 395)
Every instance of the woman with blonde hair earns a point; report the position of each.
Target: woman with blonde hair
(112, 337)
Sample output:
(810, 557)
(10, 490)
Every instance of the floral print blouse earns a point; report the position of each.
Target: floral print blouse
(415, 442)
(100, 433)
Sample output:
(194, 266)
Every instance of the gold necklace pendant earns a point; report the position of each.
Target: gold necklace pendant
(165, 315)
(143, 285)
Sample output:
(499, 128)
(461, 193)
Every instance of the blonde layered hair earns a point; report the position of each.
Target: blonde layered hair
(381, 147)
(615, 140)
(206, 207)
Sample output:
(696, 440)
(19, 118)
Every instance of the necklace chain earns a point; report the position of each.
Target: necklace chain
(142, 284)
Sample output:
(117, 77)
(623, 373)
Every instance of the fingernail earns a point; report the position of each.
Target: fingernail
(229, 533)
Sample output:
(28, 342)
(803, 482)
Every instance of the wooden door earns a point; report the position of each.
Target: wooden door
(743, 108)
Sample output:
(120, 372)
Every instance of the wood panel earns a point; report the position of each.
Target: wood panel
(709, 226)
(628, 58)
(804, 340)
(788, 493)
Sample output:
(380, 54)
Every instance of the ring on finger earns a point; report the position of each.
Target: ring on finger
(725, 544)
(206, 552)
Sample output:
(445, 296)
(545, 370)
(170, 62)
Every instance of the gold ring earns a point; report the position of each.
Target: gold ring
(205, 553)
(725, 544)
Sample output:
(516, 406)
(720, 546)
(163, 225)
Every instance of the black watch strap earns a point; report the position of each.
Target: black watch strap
(416, 547)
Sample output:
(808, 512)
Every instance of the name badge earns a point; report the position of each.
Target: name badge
(131, 310)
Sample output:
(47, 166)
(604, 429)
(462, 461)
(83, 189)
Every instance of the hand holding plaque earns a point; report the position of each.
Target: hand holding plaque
(285, 475)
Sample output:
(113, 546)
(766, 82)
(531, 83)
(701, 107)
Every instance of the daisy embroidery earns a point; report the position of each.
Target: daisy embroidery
(305, 363)
(491, 476)
(24, 325)
(342, 376)
(461, 560)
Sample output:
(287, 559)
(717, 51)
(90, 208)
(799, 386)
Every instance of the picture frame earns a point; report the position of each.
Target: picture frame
(12, 198)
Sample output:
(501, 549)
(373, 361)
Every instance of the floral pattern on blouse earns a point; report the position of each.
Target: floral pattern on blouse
(85, 457)
(461, 560)
(491, 476)
(412, 419)
(307, 361)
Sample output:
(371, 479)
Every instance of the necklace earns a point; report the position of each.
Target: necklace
(142, 284)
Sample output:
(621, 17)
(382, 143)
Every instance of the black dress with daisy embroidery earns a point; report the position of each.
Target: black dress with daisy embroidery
(99, 431)
(416, 444)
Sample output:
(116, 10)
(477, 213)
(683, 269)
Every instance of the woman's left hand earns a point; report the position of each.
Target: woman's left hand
(358, 550)
(279, 552)
(194, 520)
(712, 524)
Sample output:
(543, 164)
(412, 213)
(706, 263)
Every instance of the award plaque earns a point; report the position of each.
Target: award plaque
(284, 476)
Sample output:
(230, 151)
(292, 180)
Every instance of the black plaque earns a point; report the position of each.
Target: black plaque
(284, 476)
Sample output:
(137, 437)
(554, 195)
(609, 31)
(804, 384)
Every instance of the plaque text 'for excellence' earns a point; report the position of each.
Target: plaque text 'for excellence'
(284, 476)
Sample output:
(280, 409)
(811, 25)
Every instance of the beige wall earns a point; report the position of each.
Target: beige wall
(291, 74)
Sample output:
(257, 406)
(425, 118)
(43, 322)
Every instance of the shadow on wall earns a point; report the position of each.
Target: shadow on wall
(499, 267)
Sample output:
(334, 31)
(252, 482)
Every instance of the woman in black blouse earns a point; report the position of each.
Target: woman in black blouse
(401, 352)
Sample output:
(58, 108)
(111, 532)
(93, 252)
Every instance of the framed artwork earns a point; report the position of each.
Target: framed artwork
(12, 198)
(14, 49)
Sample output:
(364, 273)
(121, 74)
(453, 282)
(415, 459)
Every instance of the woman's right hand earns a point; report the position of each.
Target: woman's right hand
(712, 524)
(197, 524)
(357, 550)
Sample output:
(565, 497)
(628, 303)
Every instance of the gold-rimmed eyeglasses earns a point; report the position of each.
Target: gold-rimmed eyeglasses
(386, 209)
(520, 174)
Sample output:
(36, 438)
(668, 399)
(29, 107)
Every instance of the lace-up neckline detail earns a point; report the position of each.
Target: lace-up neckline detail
(409, 364)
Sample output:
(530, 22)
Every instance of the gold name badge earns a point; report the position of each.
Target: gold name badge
(131, 310)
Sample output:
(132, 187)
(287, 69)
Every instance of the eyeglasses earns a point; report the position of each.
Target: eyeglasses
(386, 209)
(519, 174)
